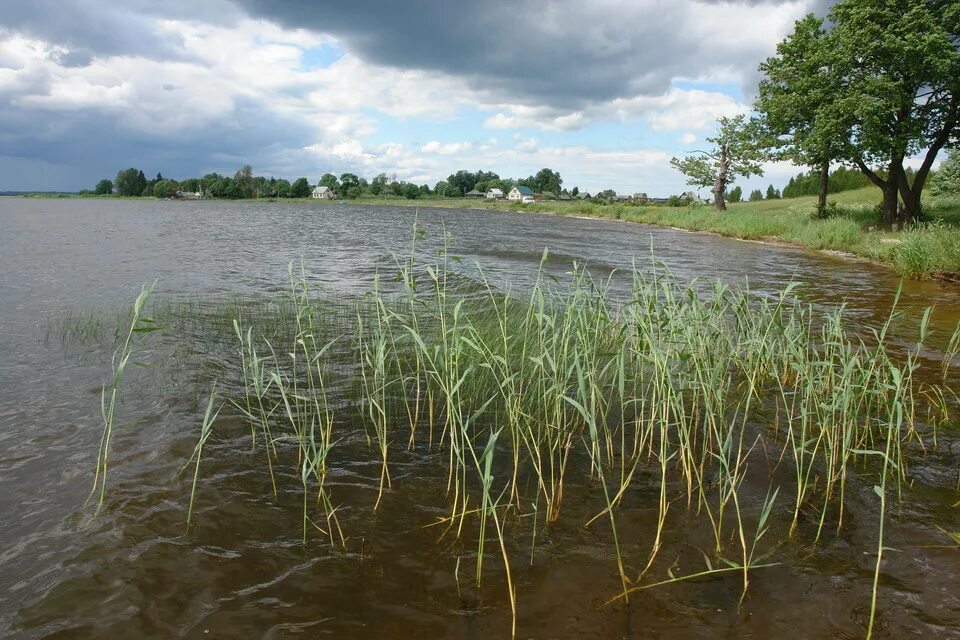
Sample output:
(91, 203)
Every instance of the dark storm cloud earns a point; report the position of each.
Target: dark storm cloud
(94, 145)
(94, 27)
(563, 53)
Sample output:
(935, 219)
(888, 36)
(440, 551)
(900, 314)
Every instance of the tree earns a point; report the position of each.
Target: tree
(378, 184)
(735, 153)
(130, 182)
(946, 181)
(756, 195)
(349, 180)
(164, 188)
(409, 190)
(881, 85)
(330, 181)
(736, 195)
(575, 192)
(900, 93)
(282, 188)
(548, 180)
(300, 188)
(772, 194)
(103, 188)
(242, 183)
(462, 181)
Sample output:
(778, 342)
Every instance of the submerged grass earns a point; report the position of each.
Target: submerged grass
(694, 385)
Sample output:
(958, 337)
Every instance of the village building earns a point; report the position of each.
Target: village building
(519, 193)
(473, 193)
(323, 193)
(495, 194)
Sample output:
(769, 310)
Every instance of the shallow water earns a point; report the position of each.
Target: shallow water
(130, 571)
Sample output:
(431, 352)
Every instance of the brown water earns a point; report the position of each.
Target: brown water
(130, 570)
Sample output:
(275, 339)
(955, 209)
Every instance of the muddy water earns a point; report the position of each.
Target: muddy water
(130, 570)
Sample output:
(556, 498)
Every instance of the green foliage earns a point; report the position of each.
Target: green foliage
(736, 195)
(349, 181)
(165, 188)
(841, 179)
(300, 188)
(330, 181)
(735, 153)
(756, 195)
(772, 194)
(946, 181)
(103, 188)
(130, 182)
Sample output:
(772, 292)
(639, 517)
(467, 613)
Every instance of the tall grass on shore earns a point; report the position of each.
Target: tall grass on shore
(694, 386)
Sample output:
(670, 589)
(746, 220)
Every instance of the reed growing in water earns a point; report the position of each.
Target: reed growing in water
(695, 385)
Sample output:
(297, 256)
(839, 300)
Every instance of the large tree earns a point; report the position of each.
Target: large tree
(797, 83)
(103, 188)
(882, 84)
(735, 153)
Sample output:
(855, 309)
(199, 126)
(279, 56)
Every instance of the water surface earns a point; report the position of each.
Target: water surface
(131, 572)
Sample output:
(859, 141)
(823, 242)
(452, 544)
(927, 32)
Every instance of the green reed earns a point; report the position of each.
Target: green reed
(693, 385)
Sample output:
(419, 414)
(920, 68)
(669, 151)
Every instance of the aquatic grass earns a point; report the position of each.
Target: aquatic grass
(683, 388)
(206, 429)
(139, 324)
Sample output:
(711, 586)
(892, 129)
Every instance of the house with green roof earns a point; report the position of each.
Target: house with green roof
(519, 192)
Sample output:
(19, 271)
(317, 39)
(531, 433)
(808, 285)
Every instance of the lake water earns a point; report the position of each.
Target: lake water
(130, 571)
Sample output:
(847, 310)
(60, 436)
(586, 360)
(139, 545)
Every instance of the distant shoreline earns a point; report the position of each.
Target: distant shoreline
(851, 234)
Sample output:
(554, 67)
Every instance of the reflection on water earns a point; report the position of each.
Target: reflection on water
(131, 572)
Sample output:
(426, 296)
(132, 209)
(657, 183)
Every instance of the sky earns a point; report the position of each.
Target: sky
(603, 91)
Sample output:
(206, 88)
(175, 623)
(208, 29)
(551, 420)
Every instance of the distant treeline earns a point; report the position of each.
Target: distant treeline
(244, 184)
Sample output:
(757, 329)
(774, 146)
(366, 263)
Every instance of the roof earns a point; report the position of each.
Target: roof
(474, 192)
(548, 194)
(320, 189)
(524, 191)
(495, 190)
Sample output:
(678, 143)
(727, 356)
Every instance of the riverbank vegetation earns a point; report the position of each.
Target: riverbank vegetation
(751, 420)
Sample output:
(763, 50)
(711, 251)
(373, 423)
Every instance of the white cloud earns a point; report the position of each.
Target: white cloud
(448, 149)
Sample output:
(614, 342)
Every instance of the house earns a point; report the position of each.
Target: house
(565, 197)
(495, 194)
(690, 197)
(323, 193)
(519, 193)
(584, 195)
(473, 193)
(549, 195)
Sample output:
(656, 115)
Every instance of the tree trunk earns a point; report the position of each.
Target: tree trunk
(890, 202)
(824, 186)
(718, 200)
(720, 184)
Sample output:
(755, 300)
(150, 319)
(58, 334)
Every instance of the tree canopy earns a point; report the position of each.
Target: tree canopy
(880, 85)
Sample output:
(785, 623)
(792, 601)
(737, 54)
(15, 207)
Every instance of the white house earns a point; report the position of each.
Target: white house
(323, 193)
(495, 194)
(518, 193)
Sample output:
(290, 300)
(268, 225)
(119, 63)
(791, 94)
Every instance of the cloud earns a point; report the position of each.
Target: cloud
(445, 149)
(565, 54)
(602, 90)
